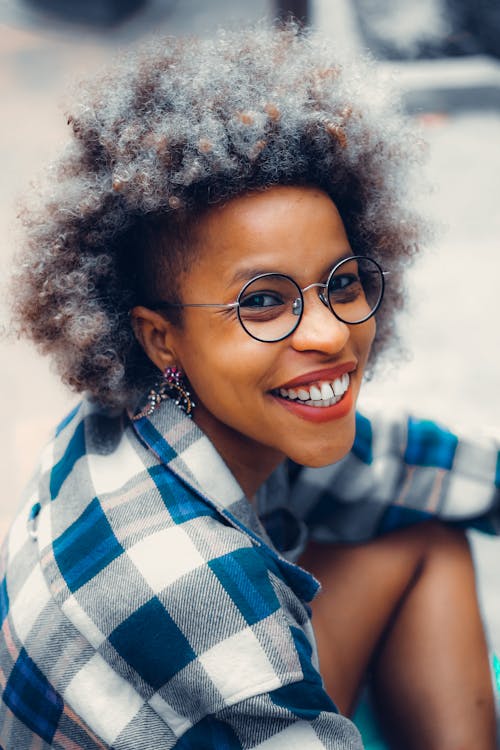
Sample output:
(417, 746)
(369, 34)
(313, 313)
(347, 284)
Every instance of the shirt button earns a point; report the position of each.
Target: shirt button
(33, 520)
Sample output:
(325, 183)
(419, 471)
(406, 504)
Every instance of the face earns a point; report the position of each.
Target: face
(249, 393)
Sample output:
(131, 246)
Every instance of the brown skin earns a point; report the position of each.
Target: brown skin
(405, 605)
(297, 231)
(386, 603)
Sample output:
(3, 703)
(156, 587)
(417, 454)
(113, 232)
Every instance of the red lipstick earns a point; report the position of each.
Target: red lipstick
(319, 414)
(320, 376)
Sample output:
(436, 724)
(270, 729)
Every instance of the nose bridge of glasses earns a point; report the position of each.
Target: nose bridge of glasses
(298, 302)
(311, 286)
(321, 294)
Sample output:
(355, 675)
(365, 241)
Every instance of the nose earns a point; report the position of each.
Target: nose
(319, 329)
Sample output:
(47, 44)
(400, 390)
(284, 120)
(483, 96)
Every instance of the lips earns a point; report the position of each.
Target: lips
(328, 374)
(318, 396)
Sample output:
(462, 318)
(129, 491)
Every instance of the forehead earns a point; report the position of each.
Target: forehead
(294, 230)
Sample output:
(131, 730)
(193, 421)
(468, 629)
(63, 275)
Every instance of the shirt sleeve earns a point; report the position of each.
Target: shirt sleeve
(272, 722)
(216, 649)
(299, 714)
(252, 680)
(400, 471)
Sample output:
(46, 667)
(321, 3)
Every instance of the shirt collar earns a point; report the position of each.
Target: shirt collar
(180, 444)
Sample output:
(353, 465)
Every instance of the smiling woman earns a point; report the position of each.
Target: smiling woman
(208, 267)
(296, 231)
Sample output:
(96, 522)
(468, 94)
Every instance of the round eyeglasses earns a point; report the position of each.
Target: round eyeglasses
(270, 306)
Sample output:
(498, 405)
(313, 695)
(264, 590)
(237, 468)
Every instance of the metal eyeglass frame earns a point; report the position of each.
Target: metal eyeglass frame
(297, 305)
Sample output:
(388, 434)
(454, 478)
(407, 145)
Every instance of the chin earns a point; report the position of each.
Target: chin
(322, 456)
(317, 463)
(324, 446)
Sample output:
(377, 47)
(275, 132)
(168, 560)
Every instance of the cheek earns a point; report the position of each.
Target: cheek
(224, 366)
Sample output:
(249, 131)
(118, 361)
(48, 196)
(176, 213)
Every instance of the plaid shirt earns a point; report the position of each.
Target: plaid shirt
(145, 604)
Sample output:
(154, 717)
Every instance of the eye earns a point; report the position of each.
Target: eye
(345, 288)
(356, 288)
(267, 297)
(342, 281)
(260, 300)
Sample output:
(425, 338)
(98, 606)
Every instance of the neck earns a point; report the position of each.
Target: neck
(251, 463)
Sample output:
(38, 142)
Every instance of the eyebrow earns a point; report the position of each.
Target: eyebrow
(245, 274)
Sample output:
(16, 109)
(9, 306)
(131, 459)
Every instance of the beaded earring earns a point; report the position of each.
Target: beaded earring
(172, 386)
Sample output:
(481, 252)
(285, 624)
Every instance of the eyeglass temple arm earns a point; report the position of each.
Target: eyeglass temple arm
(194, 304)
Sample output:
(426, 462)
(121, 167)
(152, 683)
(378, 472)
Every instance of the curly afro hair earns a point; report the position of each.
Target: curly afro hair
(174, 129)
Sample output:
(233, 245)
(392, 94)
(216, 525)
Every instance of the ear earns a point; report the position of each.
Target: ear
(156, 336)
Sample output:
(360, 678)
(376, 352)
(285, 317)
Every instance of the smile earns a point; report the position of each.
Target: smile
(319, 395)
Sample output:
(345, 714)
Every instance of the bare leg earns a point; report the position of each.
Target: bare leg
(405, 604)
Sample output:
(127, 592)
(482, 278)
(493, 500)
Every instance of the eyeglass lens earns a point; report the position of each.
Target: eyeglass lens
(270, 306)
(355, 289)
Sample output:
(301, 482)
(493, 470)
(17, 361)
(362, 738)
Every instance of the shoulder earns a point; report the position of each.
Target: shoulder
(132, 555)
(180, 605)
(153, 595)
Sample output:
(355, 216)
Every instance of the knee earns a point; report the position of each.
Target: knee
(445, 532)
(438, 536)
(433, 535)
(427, 542)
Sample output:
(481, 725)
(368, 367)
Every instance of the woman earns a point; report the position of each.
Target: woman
(207, 267)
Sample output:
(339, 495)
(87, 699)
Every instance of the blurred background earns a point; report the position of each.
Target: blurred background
(444, 57)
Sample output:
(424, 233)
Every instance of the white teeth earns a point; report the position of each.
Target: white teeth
(322, 404)
(323, 394)
(338, 387)
(326, 391)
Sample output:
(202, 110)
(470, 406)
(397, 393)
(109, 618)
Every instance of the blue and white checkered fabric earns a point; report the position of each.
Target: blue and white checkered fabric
(143, 604)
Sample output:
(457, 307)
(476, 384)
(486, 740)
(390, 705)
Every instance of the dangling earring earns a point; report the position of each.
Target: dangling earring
(172, 386)
(175, 386)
